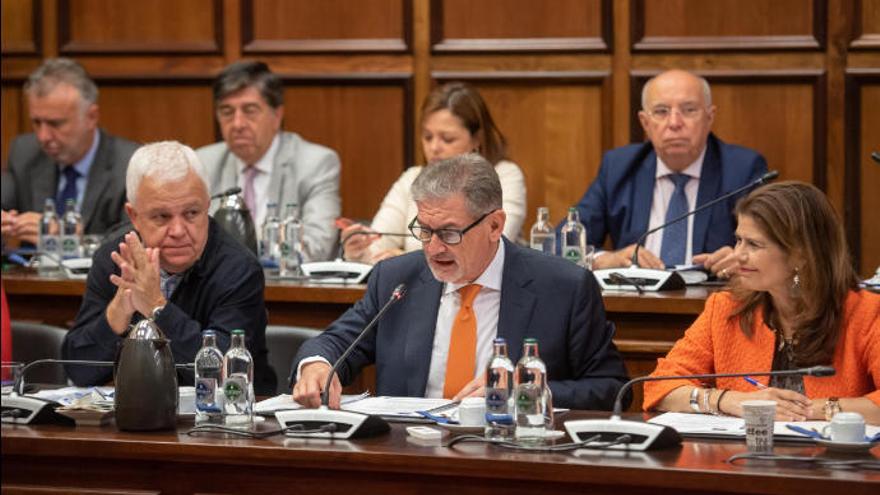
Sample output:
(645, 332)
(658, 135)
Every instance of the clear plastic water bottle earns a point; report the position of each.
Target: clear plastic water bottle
(209, 375)
(238, 384)
(530, 383)
(291, 243)
(543, 236)
(574, 238)
(499, 393)
(71, 231)
(50, 240)
(270, 242)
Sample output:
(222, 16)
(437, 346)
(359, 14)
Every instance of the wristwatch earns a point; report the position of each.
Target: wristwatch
(832, 407)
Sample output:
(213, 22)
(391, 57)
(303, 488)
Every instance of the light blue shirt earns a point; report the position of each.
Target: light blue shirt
(83, 166)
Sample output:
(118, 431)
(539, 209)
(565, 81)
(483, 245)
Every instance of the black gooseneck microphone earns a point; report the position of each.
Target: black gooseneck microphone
(341, 254)
(645, 436)
(757, 182)
(228, 192)
(324, 422)
(655, 280)
(396, 295)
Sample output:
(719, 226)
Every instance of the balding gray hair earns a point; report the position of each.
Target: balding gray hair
(707, 91)
(54, 71)
(163, 162)
(469, 174)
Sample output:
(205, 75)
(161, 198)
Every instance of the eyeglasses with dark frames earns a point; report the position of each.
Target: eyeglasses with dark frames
(449, 237)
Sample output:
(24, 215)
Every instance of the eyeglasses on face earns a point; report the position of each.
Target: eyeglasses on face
(449, 237)
(661, 113)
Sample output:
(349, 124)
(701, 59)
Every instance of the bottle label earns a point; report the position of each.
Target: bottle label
(206, 389)
(234, 388)
(70, 246)
(496, 400)
(573, 254)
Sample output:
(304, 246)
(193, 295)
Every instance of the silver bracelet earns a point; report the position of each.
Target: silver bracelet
(695, 405)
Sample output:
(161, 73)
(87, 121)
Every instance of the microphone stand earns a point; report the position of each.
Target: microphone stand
(649, 279)
(646, 436)
(324, 422)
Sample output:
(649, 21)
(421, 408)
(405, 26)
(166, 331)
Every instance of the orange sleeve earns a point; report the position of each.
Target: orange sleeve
(692, 354)
(872, 347)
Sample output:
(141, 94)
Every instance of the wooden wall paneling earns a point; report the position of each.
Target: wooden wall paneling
(781, 114)
(557, 125)
(862, 174)
(20, 27)
(728, 25)
(367, 121)
(12, 119)
(521, 25)
(866, 25)
(148, 111)
(273, 26)
(155, 26)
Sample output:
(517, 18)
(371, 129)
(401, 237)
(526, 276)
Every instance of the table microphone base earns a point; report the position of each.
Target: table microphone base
(646, 278)
(24, 410)
(347, 424)
(645, 436)
(337, 272)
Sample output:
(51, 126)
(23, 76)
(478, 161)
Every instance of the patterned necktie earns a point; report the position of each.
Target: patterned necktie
(673, 249)
(461, 362)
(69, 191)
(249, 174)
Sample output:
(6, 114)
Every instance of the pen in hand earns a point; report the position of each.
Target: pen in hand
(754, 382)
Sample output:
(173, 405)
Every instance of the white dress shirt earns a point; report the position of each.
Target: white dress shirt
(261, 183)
(663, 189)
(486, 306)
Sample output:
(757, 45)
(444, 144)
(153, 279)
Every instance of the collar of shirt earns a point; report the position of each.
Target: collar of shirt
(693, 170)
(261, 182)
(82, 166)
(489, 279)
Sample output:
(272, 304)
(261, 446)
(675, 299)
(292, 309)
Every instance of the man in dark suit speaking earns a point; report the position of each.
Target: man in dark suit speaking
(681, 166)
(468, 286)
(66, 157)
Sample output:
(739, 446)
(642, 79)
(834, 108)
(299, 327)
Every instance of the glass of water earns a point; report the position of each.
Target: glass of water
(10, 372)
(90, 244)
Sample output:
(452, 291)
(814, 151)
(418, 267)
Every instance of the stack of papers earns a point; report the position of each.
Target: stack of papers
(705, 425)
(388, 407)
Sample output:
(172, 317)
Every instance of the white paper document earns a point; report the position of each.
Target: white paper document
(404, 407)
(728, 426)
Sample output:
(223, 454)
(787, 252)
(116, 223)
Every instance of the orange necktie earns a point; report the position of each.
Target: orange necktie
(462, 343)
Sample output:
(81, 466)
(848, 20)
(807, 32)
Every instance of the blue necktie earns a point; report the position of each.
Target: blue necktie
(675, 236)
(69, 191)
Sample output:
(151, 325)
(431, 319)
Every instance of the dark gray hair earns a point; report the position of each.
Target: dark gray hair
(54, 71)
(249, 73)
(469, 174)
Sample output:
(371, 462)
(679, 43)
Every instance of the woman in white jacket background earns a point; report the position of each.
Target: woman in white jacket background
(455, 121)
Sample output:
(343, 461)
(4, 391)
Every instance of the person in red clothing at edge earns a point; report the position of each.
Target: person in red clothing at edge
(794, 302)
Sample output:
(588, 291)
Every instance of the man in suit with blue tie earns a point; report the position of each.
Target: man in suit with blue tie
(66, 157)
(467, 286)
(681, 166)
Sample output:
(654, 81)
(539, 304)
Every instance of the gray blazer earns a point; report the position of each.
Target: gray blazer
(303, 173)
(32, 176)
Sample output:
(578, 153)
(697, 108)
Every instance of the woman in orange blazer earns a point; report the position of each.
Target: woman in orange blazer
(793, 302)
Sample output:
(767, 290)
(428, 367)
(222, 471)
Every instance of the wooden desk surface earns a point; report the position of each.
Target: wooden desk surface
(75, 459)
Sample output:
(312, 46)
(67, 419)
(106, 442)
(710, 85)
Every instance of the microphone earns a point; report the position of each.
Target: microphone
(656, 280)
(647, 436)
(339, 270)
(330, 423)
(228, 192)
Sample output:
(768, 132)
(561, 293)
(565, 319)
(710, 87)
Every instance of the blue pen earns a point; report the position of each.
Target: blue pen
(754, 382)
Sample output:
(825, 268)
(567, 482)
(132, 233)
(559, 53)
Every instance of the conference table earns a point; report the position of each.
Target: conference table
(647, 325)
(59, 459)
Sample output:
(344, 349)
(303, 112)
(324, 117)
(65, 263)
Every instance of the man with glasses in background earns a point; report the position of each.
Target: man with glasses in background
(466, 287)
(681, 166)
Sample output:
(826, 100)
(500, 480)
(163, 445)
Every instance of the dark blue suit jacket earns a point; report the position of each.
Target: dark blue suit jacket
(542, 296)
(618, 202)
